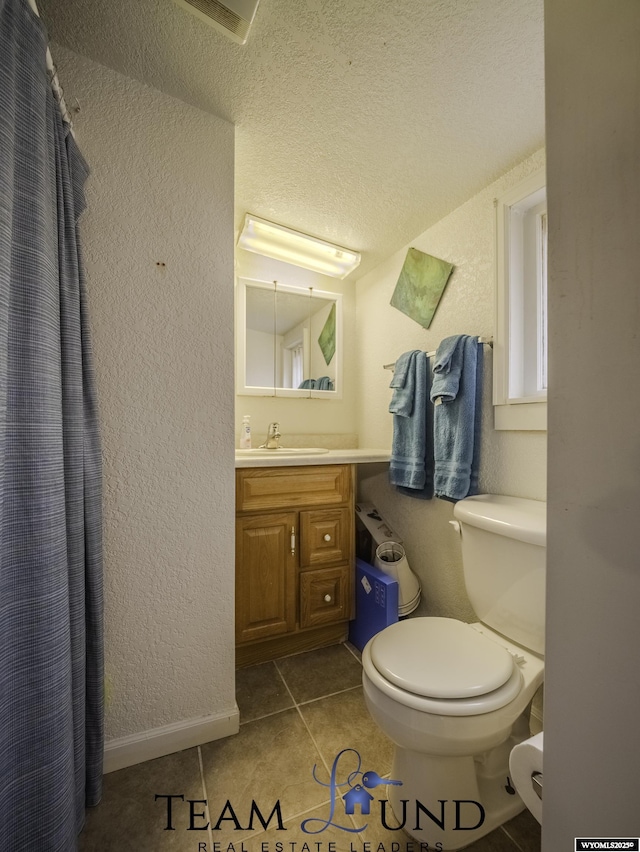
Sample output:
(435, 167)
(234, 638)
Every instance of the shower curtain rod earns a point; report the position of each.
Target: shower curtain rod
(487, 341)
(55, 82)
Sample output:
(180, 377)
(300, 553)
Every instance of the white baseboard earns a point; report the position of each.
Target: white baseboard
(147, 745)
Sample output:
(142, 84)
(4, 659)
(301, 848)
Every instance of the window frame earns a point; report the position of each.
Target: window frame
(517, 411)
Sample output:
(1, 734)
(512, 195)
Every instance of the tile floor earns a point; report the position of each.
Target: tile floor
(296, 714)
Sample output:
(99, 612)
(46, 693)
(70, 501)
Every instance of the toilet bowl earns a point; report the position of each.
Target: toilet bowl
(453, 697)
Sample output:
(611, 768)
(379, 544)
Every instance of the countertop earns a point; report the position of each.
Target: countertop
(332, 457)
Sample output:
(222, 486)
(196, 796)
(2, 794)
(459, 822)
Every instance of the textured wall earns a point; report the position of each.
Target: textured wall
(511, 462)
(161, 192)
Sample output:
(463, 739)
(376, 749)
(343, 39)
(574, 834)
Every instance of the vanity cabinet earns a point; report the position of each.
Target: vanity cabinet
(294, 559)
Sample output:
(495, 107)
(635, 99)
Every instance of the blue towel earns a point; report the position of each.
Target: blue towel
(456, 393)
(323, 383)
(403, 384)
(411, 466)
(447, 368)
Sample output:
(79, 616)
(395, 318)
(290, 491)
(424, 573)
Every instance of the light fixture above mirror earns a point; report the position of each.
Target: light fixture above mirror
(282, 243)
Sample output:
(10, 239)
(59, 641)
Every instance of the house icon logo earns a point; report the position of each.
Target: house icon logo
(357, 797)
(350, 788)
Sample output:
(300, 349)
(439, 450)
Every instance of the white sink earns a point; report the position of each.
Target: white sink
(263, 453)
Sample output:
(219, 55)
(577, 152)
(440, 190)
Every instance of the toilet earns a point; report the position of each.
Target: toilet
(454, 697)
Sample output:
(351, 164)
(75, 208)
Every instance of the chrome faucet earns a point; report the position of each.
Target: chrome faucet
(273, 437)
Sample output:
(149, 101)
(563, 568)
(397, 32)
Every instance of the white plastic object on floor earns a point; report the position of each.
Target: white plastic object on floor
(391, 558)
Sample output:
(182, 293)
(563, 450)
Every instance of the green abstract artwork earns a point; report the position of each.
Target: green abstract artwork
(420, 286)
(327, 339)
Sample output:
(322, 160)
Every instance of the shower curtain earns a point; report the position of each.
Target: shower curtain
(51, 680)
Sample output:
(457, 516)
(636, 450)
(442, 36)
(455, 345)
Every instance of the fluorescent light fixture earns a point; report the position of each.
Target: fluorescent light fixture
(282, 243)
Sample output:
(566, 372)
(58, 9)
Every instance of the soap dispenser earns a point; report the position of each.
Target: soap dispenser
(245, 433)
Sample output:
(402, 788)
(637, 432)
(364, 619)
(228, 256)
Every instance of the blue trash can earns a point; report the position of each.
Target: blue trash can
(376, 603)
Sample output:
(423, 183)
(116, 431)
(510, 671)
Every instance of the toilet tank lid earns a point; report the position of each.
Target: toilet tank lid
(513, 517)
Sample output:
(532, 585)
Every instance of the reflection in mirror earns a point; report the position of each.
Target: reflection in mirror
(288, 340)
(260, 322)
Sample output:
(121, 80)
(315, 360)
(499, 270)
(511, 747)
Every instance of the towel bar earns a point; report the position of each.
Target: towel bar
(488, 341)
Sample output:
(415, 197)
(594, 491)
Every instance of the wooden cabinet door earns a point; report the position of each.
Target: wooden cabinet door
(265, 576)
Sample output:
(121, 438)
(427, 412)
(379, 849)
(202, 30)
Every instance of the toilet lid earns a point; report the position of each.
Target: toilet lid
(440, 658)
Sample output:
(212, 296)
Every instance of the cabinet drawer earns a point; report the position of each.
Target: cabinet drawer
(290, 487)
(325, 537)
(324, 596)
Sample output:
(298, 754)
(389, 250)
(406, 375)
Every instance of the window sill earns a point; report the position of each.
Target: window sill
(521, 417)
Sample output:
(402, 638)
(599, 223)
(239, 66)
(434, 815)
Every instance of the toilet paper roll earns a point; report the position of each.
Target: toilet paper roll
(524, 760)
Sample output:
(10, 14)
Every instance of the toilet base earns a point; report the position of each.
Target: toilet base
(460, 798)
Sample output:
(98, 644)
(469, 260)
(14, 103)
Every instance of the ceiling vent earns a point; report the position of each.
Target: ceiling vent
(233, 17)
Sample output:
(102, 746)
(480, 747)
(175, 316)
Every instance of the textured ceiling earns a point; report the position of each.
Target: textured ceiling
(359, 121)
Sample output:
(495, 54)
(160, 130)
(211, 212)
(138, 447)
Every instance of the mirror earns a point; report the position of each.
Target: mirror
(289, 340)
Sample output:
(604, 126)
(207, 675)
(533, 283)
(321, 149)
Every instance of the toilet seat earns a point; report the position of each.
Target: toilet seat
(443, 666)
(440, 658)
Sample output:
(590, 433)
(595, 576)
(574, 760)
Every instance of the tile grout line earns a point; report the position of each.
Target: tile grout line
(513, 840)
(297, 706)
(329, 695)
(304, 722)
(268, 715)
(352, 652)
(359, 835)
(205, 796)
(311, 700)
(286, 685)
(282, 709)
(313, 740)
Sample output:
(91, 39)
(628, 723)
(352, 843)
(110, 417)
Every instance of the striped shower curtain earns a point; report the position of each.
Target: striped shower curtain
(51, 680)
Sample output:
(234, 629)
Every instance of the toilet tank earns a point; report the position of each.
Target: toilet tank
(504, 559)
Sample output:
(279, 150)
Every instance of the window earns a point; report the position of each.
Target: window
(520, 348)
(293, 367)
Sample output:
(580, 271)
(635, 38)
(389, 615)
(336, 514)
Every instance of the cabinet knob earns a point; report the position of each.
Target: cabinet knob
(327, 598)
(327, 537)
